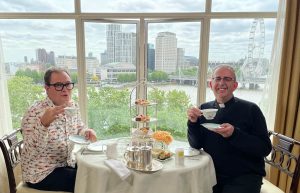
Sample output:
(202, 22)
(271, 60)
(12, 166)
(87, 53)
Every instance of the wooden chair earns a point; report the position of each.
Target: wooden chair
(282, 158)
(11, 146)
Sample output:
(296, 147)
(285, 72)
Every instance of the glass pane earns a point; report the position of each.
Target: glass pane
(111, 74)
(245, 44)
(142, 6)
(37, 6)
(244, 5)
(30, 47)
(173, 57)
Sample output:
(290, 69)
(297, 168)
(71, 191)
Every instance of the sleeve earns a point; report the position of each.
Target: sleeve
(34, 133)
(257, 141)
(196, 135)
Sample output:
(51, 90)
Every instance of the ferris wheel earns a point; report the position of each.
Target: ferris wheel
(253, 65)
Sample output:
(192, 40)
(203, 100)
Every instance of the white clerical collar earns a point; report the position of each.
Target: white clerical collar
(222, 105)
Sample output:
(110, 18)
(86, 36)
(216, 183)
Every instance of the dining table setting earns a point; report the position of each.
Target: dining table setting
(127, 166)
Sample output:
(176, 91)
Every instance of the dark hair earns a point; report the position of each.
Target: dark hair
(49, 72)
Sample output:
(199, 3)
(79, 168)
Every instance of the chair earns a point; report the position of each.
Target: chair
(282, 158)
(11, 146)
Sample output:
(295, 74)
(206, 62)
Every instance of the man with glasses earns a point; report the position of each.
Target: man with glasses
(47, 161)
(240, 140)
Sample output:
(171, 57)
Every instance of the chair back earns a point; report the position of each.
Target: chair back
(11, 146)
(283, 158)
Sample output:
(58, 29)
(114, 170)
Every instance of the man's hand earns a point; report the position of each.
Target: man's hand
(90, 134)
(225, 130)
(51, 114)
(193, 114)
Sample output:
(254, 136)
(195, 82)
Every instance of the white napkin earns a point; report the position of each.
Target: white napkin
(118, 167)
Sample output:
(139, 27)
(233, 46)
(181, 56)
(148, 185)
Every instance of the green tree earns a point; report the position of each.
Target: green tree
(130, 77)
(36, 76)
(22, 93)
(158, 76)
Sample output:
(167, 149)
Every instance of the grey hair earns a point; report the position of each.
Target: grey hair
(51, 70)
(224, 66)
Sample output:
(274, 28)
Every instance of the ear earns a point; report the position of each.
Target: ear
(210, 84)
(47, 88)
(235, 85)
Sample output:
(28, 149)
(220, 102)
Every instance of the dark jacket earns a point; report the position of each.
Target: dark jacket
(244, 151)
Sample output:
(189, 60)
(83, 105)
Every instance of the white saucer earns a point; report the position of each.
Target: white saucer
(188, 151)
(96, 146)
(210, 126)
(79, 139)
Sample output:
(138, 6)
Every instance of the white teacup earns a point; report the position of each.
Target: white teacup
(209, 113)
(71, 111)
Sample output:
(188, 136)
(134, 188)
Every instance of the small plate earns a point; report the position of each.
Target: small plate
(189, 152)
(79, 139)
(96, 146)
(156, 166)
(210, 126)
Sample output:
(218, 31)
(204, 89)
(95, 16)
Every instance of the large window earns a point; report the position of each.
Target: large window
(110, 48)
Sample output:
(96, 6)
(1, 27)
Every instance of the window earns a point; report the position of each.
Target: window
(110, 46)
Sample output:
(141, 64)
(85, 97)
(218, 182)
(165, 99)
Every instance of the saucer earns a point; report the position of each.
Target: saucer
(79, 139)
(210, 126)
(96, 146)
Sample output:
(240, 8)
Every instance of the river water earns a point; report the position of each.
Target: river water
(247, 94)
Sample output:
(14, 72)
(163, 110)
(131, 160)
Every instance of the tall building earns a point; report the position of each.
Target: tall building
(111, 31)
(42, 57)
(121, 46)
(125, 48)
(150, 57)
(180, 59)
(166, 52)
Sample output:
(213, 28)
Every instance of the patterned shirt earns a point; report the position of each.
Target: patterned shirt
(46, 148)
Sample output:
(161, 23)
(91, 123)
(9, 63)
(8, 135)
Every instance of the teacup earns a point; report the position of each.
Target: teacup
(71, 111)
(209, 113)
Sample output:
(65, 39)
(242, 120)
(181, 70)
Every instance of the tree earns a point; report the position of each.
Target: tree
(22, 93)
(158, 76)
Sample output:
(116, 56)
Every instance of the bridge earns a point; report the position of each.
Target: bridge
(191, 80)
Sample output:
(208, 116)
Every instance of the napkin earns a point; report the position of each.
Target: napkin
(118, 167)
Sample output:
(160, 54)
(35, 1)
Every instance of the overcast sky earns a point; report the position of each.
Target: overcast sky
(22, 37)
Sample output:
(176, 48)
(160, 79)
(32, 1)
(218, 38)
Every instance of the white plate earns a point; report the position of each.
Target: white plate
(211, 126)
(96, 146)
(79, 139)
(189, 152)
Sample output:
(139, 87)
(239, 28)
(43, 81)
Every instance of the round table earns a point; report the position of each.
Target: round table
(196, 176)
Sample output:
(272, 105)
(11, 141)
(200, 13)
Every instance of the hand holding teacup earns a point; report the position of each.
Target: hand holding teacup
(194, 112)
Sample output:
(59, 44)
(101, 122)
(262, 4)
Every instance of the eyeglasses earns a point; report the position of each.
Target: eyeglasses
(60, 86)
(225, 79)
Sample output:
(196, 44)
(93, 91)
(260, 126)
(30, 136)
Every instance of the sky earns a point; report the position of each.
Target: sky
(22, 37)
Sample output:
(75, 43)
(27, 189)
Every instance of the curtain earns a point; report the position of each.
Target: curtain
(269, 101)
(287, 118)
(5, 116)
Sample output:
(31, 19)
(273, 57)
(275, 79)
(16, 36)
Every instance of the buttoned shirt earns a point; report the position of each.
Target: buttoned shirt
(46, 148)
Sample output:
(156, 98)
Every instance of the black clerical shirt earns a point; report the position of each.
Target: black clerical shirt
(243, 152)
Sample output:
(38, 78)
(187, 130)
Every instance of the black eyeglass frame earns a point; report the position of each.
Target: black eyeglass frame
(57, 86)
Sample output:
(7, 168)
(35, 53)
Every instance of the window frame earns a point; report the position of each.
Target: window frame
(142, 20)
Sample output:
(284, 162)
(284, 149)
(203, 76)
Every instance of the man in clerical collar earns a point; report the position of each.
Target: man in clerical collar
(239, 140)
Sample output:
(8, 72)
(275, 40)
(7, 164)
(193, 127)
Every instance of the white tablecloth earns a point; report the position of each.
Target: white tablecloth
(197, 176)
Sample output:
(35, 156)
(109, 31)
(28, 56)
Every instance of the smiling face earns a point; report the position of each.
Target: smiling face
(223, 83)
(59, 97)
